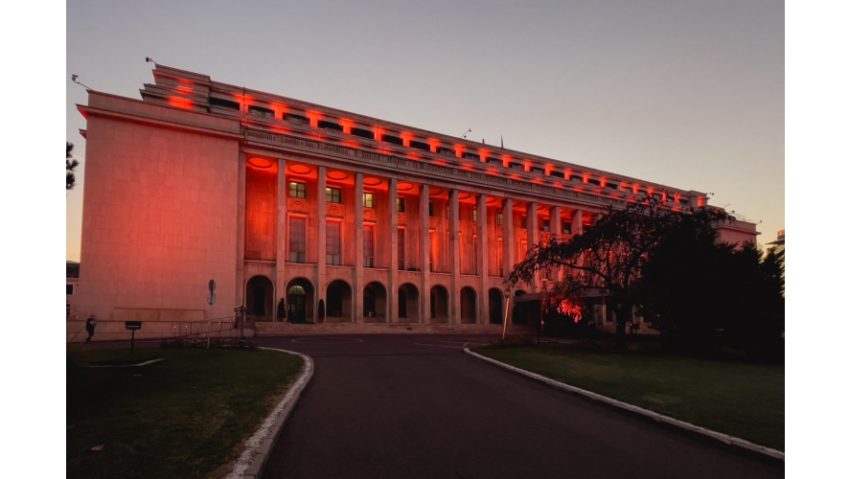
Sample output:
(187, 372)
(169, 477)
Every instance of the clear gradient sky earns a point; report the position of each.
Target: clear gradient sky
(685, 93)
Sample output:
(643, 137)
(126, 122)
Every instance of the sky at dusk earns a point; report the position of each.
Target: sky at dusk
(688, 93)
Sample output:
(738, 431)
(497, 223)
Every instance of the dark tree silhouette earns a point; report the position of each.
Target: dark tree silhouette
(609, 257)
(70, 164)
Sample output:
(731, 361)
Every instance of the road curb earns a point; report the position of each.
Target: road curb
(257, 449)
(718, 436)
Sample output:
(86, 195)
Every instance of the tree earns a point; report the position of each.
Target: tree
(70, 164)
(610, 256)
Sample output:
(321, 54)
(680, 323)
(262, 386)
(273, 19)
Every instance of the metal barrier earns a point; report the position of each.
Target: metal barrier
(106, 329)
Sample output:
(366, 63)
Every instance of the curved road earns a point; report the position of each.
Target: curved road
(418, 407)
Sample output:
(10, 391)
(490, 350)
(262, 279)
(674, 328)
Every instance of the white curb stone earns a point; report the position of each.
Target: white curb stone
(257, 449)
(724, 438)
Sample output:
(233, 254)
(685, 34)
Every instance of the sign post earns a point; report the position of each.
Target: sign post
(132, 326)
(211, 301)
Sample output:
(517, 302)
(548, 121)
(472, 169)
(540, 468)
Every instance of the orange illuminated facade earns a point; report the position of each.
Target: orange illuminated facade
(295, 208)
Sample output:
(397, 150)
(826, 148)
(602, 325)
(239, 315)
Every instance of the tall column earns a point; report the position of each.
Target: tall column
(556, 232)
(321, 220)
(424, 255)
(483, 261)
(577, 225)
(392, 294)
(240, 233)
(508, 235)
(454, 244)
(280, 236)
(508, 243)
(357, 294)
(533, 238)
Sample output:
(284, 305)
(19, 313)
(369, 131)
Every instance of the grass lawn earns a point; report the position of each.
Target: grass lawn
(738, 398)
(183, 417)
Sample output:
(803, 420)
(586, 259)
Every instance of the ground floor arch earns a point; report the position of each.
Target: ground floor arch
(522, 308)
(408, 303)
(496, 313)
(299, 301)
(259, 298)
(439, 304)
(338, 302)
(375, 302)
(468, 300)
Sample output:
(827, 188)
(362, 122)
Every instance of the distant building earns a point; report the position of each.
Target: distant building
(293, 207)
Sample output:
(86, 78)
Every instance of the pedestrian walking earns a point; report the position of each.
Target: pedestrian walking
(90, 328)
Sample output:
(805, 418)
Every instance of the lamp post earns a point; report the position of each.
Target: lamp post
(507, 308)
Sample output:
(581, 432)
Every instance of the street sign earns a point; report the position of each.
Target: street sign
(133, 325)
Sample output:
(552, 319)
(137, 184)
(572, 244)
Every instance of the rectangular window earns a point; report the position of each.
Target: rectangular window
(297, 190)
(297, 239)
(430, 208)
(333, 243)
(69, 289)
(399, 202)
(369, 246)
(498, 219)
(475, 216)
(333, 195)
(523, 222)
(368, 200)
(401, 249)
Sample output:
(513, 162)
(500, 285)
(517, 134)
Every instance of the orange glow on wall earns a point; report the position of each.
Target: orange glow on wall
(459, 150)
(557, 184)
(279, 110)
(568, 173)
(441, 162)
(434, 144)
(516, 176)
(184, 89)
(406, 137)
(506, 161)
(649, 191)
(676, 198)
(413, 155)
(244, 101)
(664, 197)
(262, 163)
(578, 188)
(700, 201)
(467, 167)
(384, 150)
(180, 102)
(548, 169)
(314, 117)
(635, 188)
(279, 129)
(483, 154)
(492, 171)
(527, 166)
(585, 178)
(350, 143)
(603, 182)
(346, 125)
(538, 181)
(624, 185)
(379, 132)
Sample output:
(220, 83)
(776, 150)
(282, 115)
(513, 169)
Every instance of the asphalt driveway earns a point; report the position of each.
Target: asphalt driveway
(418, 407)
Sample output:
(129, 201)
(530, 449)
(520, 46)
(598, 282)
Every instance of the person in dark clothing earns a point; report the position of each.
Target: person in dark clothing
(90, 328)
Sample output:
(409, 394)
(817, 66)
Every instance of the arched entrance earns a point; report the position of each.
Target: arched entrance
(299, 301)
(259, 295)
(375, 302)
(338, 301)
(496, 313)
(408, 304)
(439, 304)
(467, 305)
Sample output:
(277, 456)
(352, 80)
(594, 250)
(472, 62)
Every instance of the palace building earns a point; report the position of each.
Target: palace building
(313, 217)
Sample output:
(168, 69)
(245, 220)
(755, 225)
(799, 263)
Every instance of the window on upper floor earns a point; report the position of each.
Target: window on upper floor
(363, 133)
(330, 125)
(260, 111)
(297, 190)
(399, 203)
(368, 200)
(333, 195)
(222, 103)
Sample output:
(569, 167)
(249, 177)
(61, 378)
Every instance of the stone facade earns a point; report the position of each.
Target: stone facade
(373, 223)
